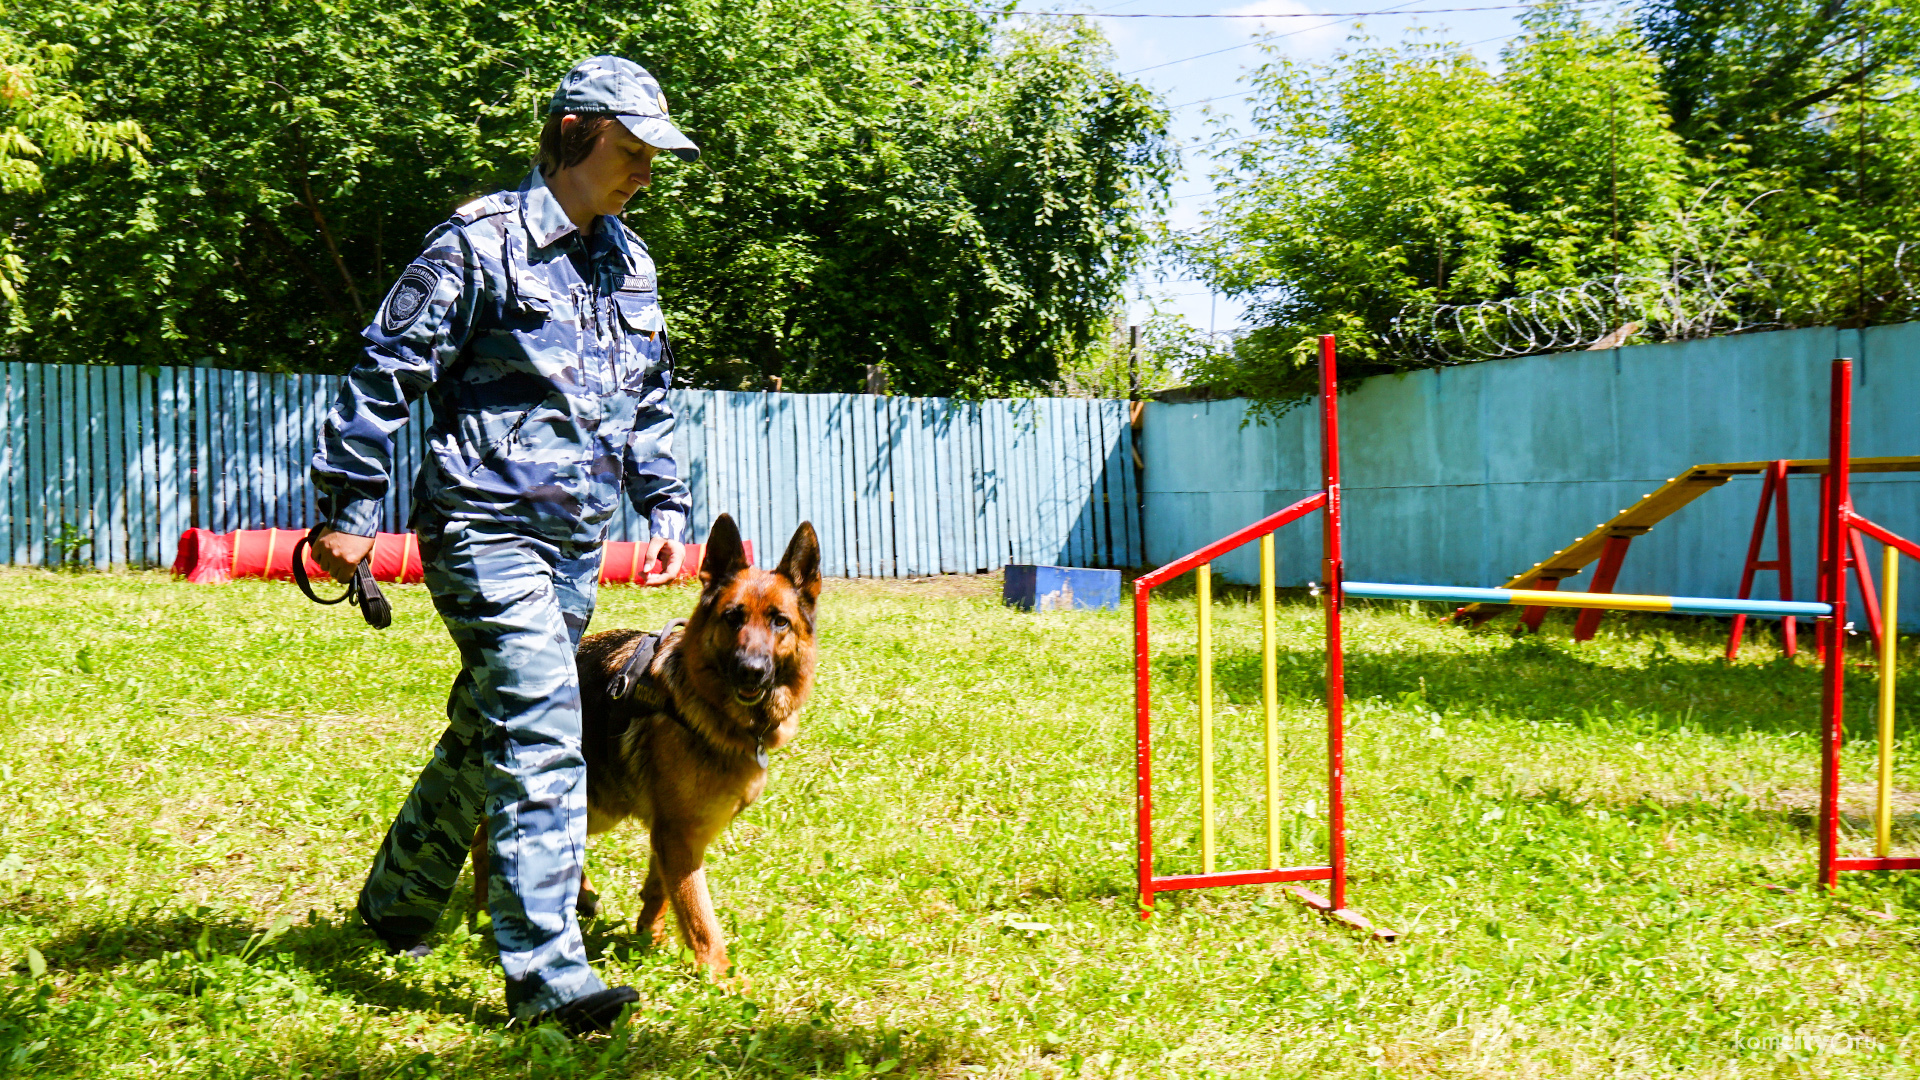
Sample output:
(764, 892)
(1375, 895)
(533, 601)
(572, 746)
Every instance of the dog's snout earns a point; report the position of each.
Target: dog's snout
(755, 667)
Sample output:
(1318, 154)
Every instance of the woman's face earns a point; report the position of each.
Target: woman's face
(616, 169)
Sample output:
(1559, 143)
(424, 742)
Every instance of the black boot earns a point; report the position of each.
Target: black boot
(595, 1012)
(412, 945)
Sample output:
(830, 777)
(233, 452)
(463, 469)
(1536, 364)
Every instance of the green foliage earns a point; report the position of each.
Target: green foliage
(892, 186)
(1713, 168)
(1119, 367)
(1577, 843)
(41, 120)
(1809, 107)
(1413, 176)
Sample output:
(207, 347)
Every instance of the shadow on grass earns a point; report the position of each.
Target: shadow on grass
(649, 1043)
(341, 955)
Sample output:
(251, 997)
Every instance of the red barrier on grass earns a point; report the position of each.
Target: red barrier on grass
(209, 558)
(621, 564)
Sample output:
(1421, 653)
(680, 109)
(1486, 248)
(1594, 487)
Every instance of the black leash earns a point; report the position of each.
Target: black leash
(362, 591)
(634, 671)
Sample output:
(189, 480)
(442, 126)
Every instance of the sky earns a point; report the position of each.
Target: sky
(1193, 63)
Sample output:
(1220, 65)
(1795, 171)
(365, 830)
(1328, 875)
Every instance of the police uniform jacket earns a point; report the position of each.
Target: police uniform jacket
(543, 353)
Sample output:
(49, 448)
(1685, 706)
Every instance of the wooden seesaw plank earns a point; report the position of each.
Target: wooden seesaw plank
(1656, 506)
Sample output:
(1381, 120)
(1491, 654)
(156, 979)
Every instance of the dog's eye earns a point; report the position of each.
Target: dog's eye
(735, 617)
(779, 621)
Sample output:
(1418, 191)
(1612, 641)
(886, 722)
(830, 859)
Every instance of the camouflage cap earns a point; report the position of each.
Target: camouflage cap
(610, 84)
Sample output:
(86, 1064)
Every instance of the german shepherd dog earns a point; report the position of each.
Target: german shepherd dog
(685, 749)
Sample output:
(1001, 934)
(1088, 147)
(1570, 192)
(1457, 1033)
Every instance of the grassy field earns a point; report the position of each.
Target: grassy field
(1599, 855)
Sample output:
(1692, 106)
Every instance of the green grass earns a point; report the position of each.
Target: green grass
(1581, 845)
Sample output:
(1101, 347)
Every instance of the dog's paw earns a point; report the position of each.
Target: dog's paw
(588, 905)
(733, 981)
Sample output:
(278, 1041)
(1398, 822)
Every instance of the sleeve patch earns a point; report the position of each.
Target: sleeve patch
(407, 300)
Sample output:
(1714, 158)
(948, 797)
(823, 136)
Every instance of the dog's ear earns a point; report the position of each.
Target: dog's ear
(801, 563)
(724, 556)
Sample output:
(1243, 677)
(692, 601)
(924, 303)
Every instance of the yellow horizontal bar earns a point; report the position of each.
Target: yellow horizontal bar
(1611, 601)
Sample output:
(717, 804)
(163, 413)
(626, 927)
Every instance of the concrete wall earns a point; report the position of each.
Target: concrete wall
(1472, 474)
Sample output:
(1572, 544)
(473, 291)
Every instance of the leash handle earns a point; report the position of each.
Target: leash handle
(362, 591)
(300, 547)
(366, 593)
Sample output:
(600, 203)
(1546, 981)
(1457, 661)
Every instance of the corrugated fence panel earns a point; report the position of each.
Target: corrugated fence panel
(109, 464)
(12, 471)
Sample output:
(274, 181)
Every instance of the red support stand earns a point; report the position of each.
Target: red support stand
(1532, 617)
(1773, 497)
(1863, 577)
(1604, 576)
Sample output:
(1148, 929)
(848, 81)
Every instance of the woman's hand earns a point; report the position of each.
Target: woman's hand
(338, 553)
(671, 552)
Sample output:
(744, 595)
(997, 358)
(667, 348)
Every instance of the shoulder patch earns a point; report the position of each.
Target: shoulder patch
(407, 300)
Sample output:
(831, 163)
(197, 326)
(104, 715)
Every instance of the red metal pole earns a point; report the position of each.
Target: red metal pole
(1142, 745)
(1604, 576)
(1833, 684)
(1863, 576)
(1783, 554)
(1333, 571)
(1752, 565)
(1533, 616)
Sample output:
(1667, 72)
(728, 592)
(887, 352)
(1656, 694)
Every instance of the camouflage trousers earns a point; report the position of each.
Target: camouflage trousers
(516, 607)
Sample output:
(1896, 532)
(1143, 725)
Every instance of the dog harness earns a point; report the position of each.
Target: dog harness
(635, 672)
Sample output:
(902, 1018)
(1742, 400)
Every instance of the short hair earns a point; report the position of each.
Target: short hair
(563, 147)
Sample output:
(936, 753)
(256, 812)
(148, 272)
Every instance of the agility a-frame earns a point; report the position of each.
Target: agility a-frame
(1838, 519)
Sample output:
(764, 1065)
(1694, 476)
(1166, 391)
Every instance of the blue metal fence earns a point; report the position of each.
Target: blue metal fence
(108, 465)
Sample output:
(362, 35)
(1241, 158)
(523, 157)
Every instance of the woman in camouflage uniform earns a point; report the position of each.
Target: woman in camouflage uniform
(532, 323)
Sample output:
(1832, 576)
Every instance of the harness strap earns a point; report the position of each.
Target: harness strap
(634, 671)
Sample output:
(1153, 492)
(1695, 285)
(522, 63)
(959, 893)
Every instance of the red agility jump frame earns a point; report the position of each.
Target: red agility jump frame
(1327, 500)
(1838, 520)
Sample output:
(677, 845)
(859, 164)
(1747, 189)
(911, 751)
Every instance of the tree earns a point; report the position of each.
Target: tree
(1707, 169)
(41, 120)
(1808, 106)
(895, 186)
(1396, 179)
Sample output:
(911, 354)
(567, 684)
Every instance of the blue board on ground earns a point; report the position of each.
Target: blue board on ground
(1059, 588)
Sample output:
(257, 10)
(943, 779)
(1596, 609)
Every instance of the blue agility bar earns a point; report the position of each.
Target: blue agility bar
(1681, 605)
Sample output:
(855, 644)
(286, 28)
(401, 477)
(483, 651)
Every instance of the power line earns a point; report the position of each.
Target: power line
(1275, 37)
(1215, 15)
(1261, 40)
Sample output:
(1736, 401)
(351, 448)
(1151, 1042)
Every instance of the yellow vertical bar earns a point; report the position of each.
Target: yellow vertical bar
(1270, 698)
(1889, 639)
(1204, 590)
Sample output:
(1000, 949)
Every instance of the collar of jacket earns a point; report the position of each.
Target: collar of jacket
(547, 223)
